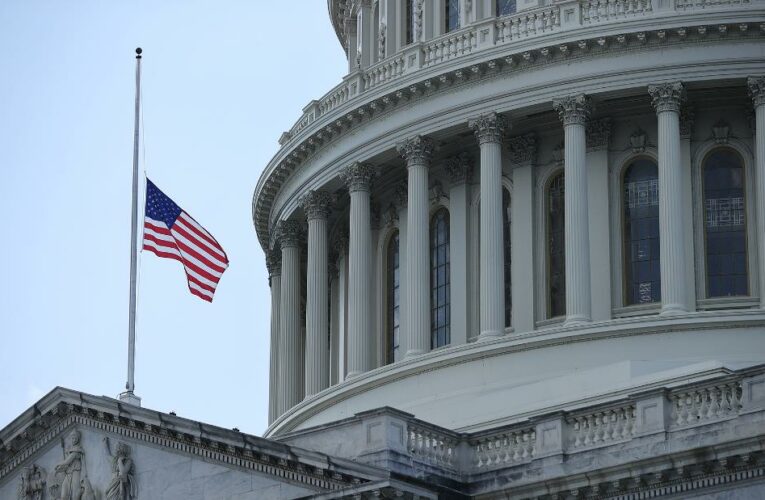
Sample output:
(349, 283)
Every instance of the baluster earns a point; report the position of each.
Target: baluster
(578, 432)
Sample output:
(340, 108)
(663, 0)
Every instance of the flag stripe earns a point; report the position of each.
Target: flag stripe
(189, 221)
(160, 253)
(191, 248)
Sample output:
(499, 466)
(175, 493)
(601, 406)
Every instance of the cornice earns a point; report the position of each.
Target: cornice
(386, 98)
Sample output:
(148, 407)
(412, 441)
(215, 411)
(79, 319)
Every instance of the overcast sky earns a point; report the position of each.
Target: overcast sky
(221, 80)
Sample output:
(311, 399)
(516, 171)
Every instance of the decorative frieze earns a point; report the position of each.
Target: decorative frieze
(599, 134)
(316, 204)
(460, 168)
(417, 150)
(523, 149)
(667, 96)
(358, 176)
(756, 86)
(573, 110)
(489, 127)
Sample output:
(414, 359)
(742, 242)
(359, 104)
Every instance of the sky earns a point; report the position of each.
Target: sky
(222, 79)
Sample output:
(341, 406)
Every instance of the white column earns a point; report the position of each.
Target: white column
(757, 91)
(316, 207)
(366, 43)
(418, 152)
(489, 130)
(290, 364)
(334, 323)
(358, 177)
(574, 111)
(273, 261)
(403, 237)
(666, 99)
(460, 169)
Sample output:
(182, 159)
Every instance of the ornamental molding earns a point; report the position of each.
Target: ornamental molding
(638, 141)
(316, 204)
(358, 176)
(721, 131)
(573, 109)
(273, 264)
(559, 153)
(488, 128)
(599, 134)
(417, 150)
(687, 121)
(437, 194)
(390, 216)
(756, 86)
(401, 194)
(340, 241)
(325, 131)
(523, 149)
(667, 97)
(460, 168)
(289, 233)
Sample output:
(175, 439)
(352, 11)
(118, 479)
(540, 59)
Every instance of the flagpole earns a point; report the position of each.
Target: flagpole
(128, 396)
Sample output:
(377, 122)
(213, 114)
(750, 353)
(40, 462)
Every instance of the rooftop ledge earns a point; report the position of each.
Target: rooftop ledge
(558, 31)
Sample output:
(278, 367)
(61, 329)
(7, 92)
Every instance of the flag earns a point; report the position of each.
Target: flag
(170, 232)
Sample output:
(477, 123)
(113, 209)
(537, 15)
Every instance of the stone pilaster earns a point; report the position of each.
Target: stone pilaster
(358, 177)
(666, 99)
(274, 264)
(290, 343)
(316, 207)
(460, 169)
(757, 91)
(334, 321)
(489, 130)
(417, 151)
(574, 112)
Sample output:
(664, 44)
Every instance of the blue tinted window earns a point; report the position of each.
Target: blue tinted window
(452, 15)
(506, 224)
(394, 298)
(440, 298)
(556, 248)
(505, 7)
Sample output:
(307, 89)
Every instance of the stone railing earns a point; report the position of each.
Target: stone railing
(502, 449)
(433, 446)
(495, 32)
(602, 427)
(703, 404)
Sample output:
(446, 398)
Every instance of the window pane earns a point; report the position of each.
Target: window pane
(452, 15)
(393, 298)
(505, 7)
(507, 250)
(439, 278)
(642, 283)
(409, 21)
(725, 224)
(556, 250)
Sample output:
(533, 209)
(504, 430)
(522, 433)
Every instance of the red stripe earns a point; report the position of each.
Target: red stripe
(187, 249)
(202, 272)
(159, 229)
(200, 295)
(162, 254)
(207, 237)
(163, 243)
(207, 287)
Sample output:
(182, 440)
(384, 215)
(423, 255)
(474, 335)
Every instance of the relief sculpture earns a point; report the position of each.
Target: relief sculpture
(32, 486)
(122, 485)
(70, 478)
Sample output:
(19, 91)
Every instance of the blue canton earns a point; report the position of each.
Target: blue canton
(159, 207)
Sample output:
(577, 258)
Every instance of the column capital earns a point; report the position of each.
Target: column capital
(316, 204)
(417, 150)
(460, 168)
(573, 109)
(523, 149)
(358, 176)
(756, 86)
(488, 128)
(289, 233)
(599, 134)
(273, 264)
(667, 96)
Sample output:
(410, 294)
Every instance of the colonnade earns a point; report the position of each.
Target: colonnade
(296, 374)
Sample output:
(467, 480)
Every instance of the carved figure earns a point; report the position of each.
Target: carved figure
(122, 486)
(70, 479)
(32, 485)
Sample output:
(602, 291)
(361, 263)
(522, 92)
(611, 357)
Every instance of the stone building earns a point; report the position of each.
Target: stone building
(517, 252)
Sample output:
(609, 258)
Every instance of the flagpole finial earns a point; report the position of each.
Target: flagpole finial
(138, 52)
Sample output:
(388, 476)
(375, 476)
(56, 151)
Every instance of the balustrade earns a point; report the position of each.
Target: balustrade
(528, 24)
(602, 427)
(502, 449)
(449, 47)
(594, 11)
(706, 403)
(703, 4)
(432, 446)
(388, 69)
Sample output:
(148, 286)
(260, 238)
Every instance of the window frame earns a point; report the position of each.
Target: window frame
(387, 339)
(548, 317)
(435, 211)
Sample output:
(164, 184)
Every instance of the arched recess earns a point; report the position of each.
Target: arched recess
(724, 229)
(440, 279)
(554, 265)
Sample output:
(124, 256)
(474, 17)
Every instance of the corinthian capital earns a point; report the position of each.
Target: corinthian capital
(290, 233)
(316, 204)
(573, 109)
(599, 134)
(417, 150)
(274, 263)
(523, 149)
(756, 86)
(667, 96)
(357, 176)
(488, 128)
(459, 167)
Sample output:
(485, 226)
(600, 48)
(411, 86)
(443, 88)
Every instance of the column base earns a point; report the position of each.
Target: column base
(490, 335)
(576, 320)
(414, 353)
(673, 309)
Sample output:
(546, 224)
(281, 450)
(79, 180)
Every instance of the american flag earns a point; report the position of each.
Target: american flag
(170, 232)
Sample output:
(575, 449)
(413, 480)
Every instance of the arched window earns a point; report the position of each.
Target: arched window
(393, 293)
(440, 296)
(725, 224)
(556, 248)
(505, 7)
(506, 224)
(451, 15)
(642, 274)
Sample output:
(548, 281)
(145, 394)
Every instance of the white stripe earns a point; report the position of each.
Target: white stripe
(193, 259)
(200, 277)
(188, 222)
(200, 289)
(157, 223)
(173, 251)
(194, 243)
(159, 236)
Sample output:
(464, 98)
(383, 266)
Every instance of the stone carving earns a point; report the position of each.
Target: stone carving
(667, 96)
(401, 195)
(721, 131)
(381, 41)
(417, 150)
(687, 119)
(460, 168)
(70, 478)
(274, 263)
(573, 110)
(437, 193)
(290, 233)
(523, 149)
(340, 241)
(638, 141)
(559, 152)
(32, 486)
(390, 216)
(599, 134)
(316, 204)
(358, 176)
(756, 86)
(488, 128)
(123, 484)
(418, 20)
